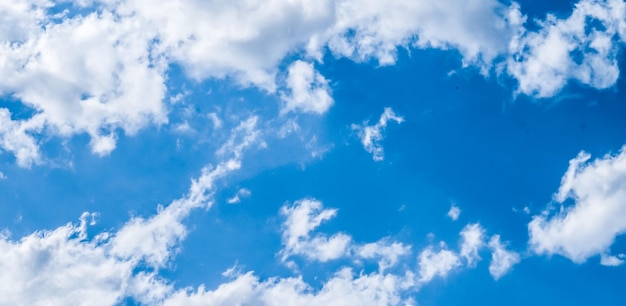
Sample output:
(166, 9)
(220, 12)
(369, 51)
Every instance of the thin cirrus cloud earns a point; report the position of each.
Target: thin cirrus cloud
(54, 71)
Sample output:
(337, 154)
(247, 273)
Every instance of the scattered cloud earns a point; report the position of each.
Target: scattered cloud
(440, 263)
(102, 72)
(612, 261)
(472, 240)
(371, 135)
(592, 212)
(241, 193)
(583, 47)
(389, 252)
(502, 260)
(301, 219)
(308, 90)
(454, 212)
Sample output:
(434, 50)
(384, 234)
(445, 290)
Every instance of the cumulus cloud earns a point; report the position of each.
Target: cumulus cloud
(612, 261)
(102, 73)
(502, 260)
(308, 90)
(582, 47)
(388, 252)
(64, 266)
(91, 74)
(436, 263)
(371, 135)
(454, 212)
(344, 288)
(472, 240)
(592, 211)
(302, 218)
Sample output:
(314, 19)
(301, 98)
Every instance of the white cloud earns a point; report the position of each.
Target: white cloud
(103, 73)
(308, 90)
(13, 138)
(570, 49)
(502, 260)
(91, 74)
(371, 135)
(472, 240)
(597, 214)
(439, 263)
(389, 252)
(241, 193)
(302, 218)
(454, 212)
(479, 29)
(344, 288)
(65, 267)
(612, 261)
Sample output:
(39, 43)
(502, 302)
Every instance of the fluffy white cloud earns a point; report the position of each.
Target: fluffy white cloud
(612, 261)
(454, 212)
(479, 29)
(344, 288)
(502, 260)
(15, 139)
(302, 218)
(597, 214)
(371, 135)
(472, 240)
(243, 39)
(103, 73)
(388, 252)
(583, 47)
(308, 90)
(92, 74)
(439, 263)
(65, 267)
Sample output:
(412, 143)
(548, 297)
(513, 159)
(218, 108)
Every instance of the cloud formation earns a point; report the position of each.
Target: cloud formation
(372, 135)
(591, 212)
(100, 67)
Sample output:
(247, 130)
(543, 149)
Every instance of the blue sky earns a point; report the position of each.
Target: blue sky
(351, 152)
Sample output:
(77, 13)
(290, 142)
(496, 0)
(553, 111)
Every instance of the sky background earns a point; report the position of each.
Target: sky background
(349, 152)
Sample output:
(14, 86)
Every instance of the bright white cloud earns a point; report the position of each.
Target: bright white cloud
(454, 212)
(439, 263)
(302, 218)
(308, 90)
(570, 49)
(597, 214)
(91, 74)
(103, 73)
(371, 135)
(65, 267)
(502, 260)
(472, 240)
(479, 29)
(15, 139)
(344, 288)
(388, 252)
